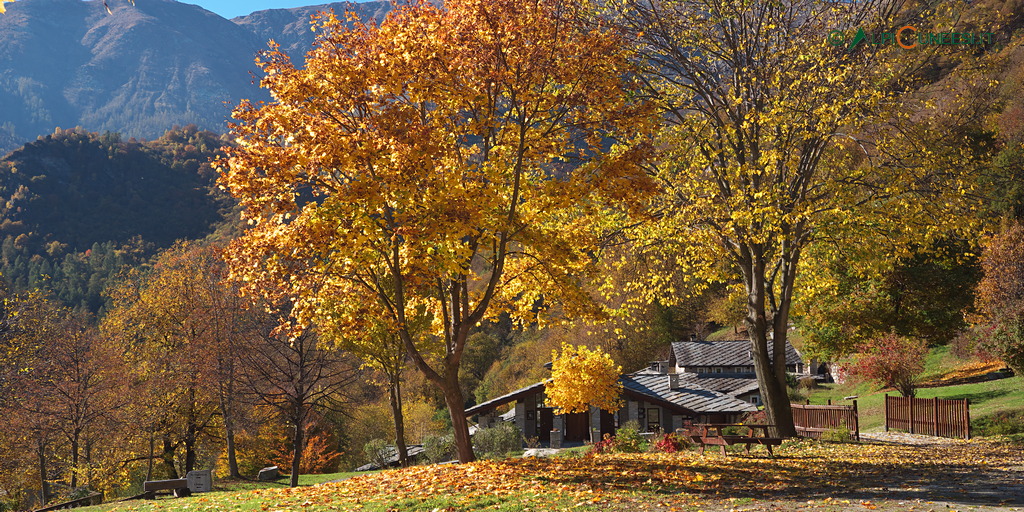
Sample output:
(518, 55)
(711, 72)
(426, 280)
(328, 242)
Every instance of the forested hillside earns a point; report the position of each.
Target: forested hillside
(76, 207)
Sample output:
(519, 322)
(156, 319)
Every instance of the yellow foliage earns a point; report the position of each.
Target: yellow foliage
(583, 377)
(459, 157)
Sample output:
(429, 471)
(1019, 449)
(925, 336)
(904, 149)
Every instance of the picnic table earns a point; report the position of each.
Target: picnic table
(713, 434)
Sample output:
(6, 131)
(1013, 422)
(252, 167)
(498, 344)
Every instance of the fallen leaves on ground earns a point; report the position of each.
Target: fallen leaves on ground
(966, 372)
(804, 475)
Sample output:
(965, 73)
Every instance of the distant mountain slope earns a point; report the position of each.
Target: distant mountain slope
(75, 203)
(78, 188)
(139, 71)
(290, 27)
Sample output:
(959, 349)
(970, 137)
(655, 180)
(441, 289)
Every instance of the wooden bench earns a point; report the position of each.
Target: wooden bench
(177, 487)
(713, 435)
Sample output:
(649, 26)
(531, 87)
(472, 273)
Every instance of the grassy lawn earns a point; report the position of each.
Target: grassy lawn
(806, 475)
(986, 398)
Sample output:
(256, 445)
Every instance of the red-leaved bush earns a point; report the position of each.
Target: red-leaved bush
(891, 360)
(671, 443)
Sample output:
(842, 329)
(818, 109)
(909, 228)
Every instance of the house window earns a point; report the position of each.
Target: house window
(756, 400)
(718, 369)
(653, 419)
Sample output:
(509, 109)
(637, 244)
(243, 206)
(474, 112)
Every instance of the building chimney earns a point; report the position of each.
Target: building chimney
(673, 380)
(693, 337)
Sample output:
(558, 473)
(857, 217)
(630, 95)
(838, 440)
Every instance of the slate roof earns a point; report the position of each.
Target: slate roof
(688, 395)
(648, 387)
(733, 384)
(506, 398)
(722, 353)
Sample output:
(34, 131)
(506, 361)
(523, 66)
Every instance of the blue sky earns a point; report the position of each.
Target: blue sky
(231, 8)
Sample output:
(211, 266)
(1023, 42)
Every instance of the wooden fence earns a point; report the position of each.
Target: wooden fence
(928, 416)
(814, 420)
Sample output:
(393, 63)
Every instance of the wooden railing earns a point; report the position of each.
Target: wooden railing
(94, 498)
(928, 416)
(815, 420)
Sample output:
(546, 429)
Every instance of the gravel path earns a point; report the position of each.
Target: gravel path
(905, 439)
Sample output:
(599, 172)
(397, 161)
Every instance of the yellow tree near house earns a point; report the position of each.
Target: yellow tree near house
(782, 149)
(453, 157)
(582, 377)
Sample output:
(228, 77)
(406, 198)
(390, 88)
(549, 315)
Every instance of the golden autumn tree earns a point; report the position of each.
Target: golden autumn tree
(63, 387)
(178, 324)
(444, 162)
(1000, 297)
(790, 140)
(380, 348)
(582, 377)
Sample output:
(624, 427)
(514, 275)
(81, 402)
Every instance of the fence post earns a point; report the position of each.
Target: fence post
(856, 421)
(935, 416)
(967, 416)
(910, 400)
(887, 412)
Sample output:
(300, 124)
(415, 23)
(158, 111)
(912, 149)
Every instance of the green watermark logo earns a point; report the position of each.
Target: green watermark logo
(909, 37)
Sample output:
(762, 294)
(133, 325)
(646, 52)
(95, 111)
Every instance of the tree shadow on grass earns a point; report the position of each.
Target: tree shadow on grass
(921, 473)
(980, 396)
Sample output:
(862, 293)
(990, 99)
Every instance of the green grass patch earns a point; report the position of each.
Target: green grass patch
(574, 452)
(987, 398)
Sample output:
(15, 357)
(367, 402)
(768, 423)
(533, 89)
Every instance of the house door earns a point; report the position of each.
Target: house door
(607, 423)
(577, 427)
(545, 422)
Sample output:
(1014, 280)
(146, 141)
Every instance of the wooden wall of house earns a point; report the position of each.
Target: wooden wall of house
(666, 419)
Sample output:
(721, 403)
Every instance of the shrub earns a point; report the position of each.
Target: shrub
(892, 360)
(807, 383)
(497, 441)
(672, 443)
(1002, 424)
(320, 455)
(628, 439)
(755, 418)
(837, 435)
(532, 442)
(379, 452)
(605, 445)
(439, 448)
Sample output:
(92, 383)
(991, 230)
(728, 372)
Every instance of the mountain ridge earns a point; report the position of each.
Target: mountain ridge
(140, 70)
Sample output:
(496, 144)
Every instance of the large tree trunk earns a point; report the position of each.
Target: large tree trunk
(456, 408)
(168, 458)
(190, 446)
(149, 466)
(298, 439)
(769, 366)
(229, 436)
(227, 411)
(74, 459)
(449, 384)
(44, 486)
(396, 410)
